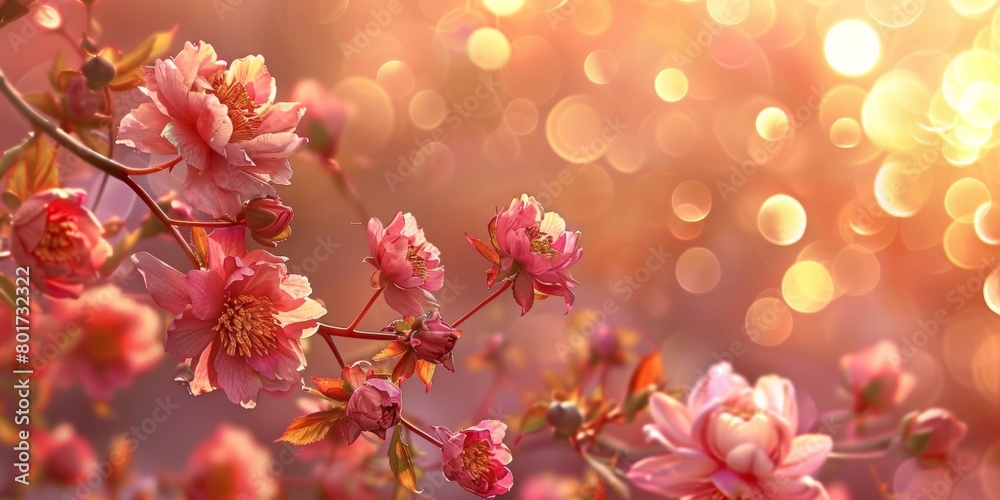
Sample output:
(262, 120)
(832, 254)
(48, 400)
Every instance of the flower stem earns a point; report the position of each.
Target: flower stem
(95, 159)
(155, 168)
(345, 185)
(422, 433)
(204, 223)
(333, 347)
(859, 455)
(354, 324)
(336, 331)
(487, 300)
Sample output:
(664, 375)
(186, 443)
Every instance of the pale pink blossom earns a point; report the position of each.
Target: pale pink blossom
(874, 377)
(532, 247)
(230, 464)
(239, 321)
(60, 240)
(732, 440)
(932, 434)
(223, 121)
(407, 266)
(110, 339)
(476, 458)
(325, 116)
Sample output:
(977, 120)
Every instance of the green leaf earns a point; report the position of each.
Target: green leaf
(35, 169)
(312, 427)
(609, 476)
(535, 419)
(401, 462)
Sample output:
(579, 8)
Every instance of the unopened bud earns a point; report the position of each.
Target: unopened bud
(99, 72)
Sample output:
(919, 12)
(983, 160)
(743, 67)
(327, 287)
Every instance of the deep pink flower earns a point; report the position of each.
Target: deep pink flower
(110, 339)
(65, 457)
(60, 240)
(476, 458)
(230, 464)
(406, 264)
(239, 320)
(532, 247)
(874, 377)
(373, 407)
(325, 116)
(932, 434)
(269, 220)
(733, 440)
(433, 340)
(224, 122)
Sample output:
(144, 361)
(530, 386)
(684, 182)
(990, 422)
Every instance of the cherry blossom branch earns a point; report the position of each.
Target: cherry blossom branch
(357, 320)
(204, 223)
(155, 168)
(336, 331)
(95, 159)
(333, 347)
(487, 300)
(420, 432)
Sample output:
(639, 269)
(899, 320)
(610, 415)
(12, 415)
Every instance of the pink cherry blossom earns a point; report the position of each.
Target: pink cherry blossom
(111, 339)
(875, 379)
(224, 122)
(325, 116)
(230, 464)
(407, 266)
(239, 320)
(732, 440)
(932, 434)
(476, 457)
(532, 247)
(60, 240)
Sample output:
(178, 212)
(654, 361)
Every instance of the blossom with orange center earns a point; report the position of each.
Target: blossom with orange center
(230, 464)
(476, 458)
(239, 321)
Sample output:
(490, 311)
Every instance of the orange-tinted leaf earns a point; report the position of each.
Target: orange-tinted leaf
(390, 351)
(199, 240)
(35, 170)
(332, 388)
(485, 249)
(425, 370)
(312, 427)
(146, 52)
(46, 103)
(401, 462)
(405, 367)
(535, 419)
(648, 372)
(610, 476)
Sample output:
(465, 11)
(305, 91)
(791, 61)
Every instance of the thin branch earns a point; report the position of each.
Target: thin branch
(336, 331)
(155, 168)
(487, 300)
(204, 223)
(357, 320)
(422, 433)
(97, 160)
(336, 352)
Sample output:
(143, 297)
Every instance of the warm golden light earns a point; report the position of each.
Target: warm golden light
(671, 84)
(852, 47)
(807, 287)
(504, 7)
(601, 66)
(698, 270)
(845, 133)
(769, 321)
(772, 123)
(781, 220)
(488, 48)
(691, 201)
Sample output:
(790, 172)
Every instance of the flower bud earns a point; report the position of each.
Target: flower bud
(932, 434)
(373, 407)
(565, 416)
(268, 220)
(82, 102)
(434, 339)
(99, 72)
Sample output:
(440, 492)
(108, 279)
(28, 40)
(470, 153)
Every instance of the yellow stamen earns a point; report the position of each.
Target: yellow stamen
(247, 324)
(242, 112)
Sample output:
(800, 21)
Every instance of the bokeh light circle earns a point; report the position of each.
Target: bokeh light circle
(845, 133)
(698, 270)
(781, 220)
(807, 287)
(488, 48)
(769, 321)
(852, 47)
(691, 201)
(601, 66)
(671, 84)
(772, 123)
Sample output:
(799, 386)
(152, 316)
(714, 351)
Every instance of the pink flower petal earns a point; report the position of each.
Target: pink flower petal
(166, 285)
(672, 476)
(808, 453)
(189, 336)
(143, 128)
